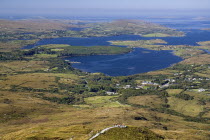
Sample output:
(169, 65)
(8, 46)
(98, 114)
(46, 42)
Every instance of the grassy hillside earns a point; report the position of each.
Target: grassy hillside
(34, 25)
(45, 98)
(129, 133)
(43, 28)
(7, 46)
(130, 27)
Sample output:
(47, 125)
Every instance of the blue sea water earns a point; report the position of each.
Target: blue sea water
(192, 36)
(139, 60)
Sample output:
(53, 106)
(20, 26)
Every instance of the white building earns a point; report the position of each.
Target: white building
(201, 90)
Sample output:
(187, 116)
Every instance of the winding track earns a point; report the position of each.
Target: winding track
(106, 129)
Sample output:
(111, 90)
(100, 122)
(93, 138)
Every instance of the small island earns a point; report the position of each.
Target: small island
(63, 50)
(184, 51)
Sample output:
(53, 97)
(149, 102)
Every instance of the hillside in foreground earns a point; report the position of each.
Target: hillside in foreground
(129, 133)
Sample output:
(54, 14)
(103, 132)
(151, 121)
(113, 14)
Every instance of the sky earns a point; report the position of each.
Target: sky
(65, 6)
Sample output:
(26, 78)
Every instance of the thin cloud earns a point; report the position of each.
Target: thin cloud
(69, 6)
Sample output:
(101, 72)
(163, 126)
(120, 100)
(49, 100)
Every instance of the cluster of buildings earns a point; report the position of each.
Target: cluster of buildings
(111, 93)
(144, 84)
(201, 90)
(119, 125)
(150, 84)
(197, 79)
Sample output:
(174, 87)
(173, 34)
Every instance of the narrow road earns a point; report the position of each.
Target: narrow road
(106, 129)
